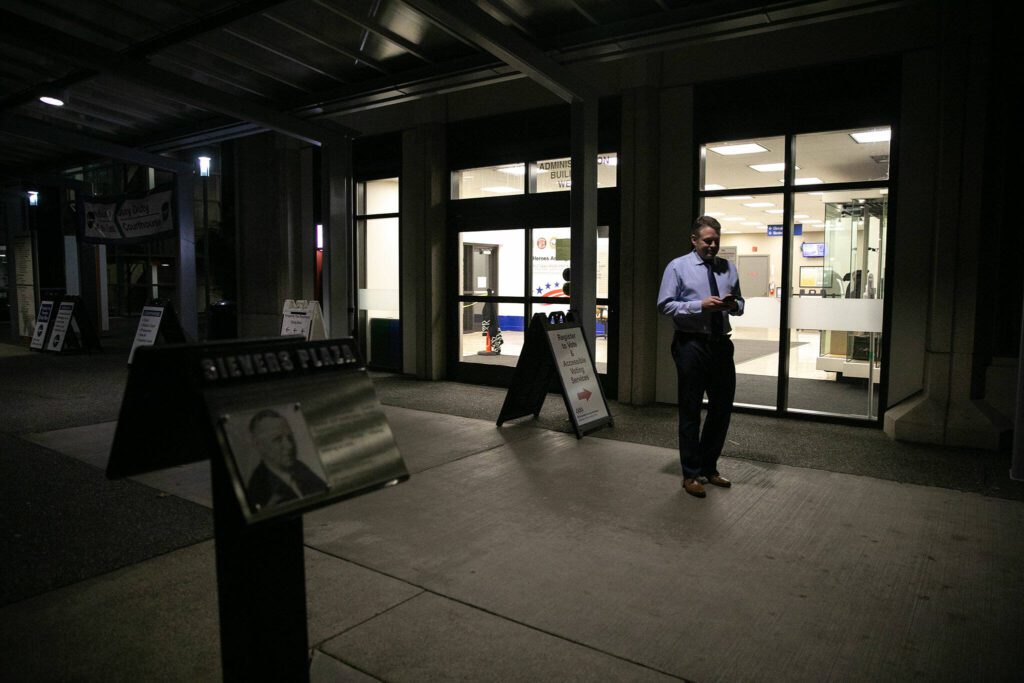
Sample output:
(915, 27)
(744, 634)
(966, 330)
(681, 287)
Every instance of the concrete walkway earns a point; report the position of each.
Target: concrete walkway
(523, 554)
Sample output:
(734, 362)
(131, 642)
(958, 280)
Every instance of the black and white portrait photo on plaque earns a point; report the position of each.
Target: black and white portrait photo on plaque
(276, 459)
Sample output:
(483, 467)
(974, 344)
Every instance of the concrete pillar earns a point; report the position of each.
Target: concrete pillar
(638, 246)
(948, 411)
(676, 212)
(424, 191)
(270, 246)
(185, 302)
(583, 215)
(336, 210)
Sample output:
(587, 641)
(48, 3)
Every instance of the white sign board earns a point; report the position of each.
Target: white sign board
(60, 326)
(109, 220)
(579, 378)
(42, 322)
(149, 327)
(303, 318)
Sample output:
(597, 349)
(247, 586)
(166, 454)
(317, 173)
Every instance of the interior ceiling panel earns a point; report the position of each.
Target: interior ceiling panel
(296, 57)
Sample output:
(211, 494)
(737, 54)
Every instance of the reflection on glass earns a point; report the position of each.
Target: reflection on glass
(843, 156)
(491, 262)
(743, 163)
(555, 175)
(488, 181)
(836, 320)
(377, 196)
(499, 341)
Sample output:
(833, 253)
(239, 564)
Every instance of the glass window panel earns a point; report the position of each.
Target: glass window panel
(551, 256)
(488, 181)
(728, 165)
(473, 341)
(837, 157)
(377, 196)
(554, 175)
(492, 262)
(756, 250)
(836, 306)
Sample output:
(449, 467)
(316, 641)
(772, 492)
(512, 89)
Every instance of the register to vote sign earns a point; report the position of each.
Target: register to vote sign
(578, 375)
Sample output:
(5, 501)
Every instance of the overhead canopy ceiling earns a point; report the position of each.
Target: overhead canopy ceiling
(173, 73)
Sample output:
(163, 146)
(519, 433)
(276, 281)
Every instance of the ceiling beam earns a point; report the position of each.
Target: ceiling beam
(481, 29)
(29, 129)
(373, 27)
(162, 41)
(40, 38)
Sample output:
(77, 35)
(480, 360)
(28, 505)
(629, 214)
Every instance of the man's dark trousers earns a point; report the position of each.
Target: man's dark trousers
(703, 363)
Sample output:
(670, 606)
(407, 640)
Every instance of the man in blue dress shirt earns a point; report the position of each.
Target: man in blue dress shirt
(699, 292)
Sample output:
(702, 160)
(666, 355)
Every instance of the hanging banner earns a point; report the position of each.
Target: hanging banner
(127, 218)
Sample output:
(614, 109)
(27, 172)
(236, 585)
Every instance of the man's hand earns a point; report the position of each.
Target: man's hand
(714, 303)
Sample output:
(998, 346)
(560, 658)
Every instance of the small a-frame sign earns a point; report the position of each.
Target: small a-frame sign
(44, 320)
(304, 319)
(557, 346)
(70, 329)
(158, 320)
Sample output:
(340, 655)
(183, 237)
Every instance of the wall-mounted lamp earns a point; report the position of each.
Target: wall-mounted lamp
(204, 166)
(33, 198)
(319, 236)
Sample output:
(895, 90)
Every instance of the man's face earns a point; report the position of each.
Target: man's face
(275, 442)
(705, 243)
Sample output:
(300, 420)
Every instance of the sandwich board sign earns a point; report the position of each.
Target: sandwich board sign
(70, 329)
(157, 320)
(557, 347)
(42, 325)
(304, 319)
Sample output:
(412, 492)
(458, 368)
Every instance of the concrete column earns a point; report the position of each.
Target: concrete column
(336, 210)
(947, 411)
(638, 246)
(676, 211)
(583, 215)
(270, 246)
(185, 302)
(424, 194)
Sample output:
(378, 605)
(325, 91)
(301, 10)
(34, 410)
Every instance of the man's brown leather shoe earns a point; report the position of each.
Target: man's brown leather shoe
(719, 480)
(693, 487)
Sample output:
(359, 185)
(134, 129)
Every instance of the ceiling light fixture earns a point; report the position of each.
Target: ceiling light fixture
(808, 181)
(758, 205)
(52, 101)
(733, 150)
(864, 137)
(738, 197)
(770, 168)
(514, 169)
(713, 187)
(773, 211)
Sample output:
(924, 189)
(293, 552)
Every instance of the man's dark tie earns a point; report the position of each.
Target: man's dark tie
(717, 323)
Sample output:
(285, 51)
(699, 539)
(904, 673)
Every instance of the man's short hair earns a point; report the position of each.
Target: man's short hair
(705, 222)
(265, 414)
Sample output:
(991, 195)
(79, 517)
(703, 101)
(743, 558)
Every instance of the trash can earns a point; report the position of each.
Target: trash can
(222, 321)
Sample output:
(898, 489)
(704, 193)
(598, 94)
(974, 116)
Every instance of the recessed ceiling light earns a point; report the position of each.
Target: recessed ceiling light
(771, 168)
(773, 211)
(52, 101)
(808, 181)
(883, 135)
(758, 205)
(514, 169)
(738, 197)
(714, 187)
(800, 215)
(505, 189)
(732, 150)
